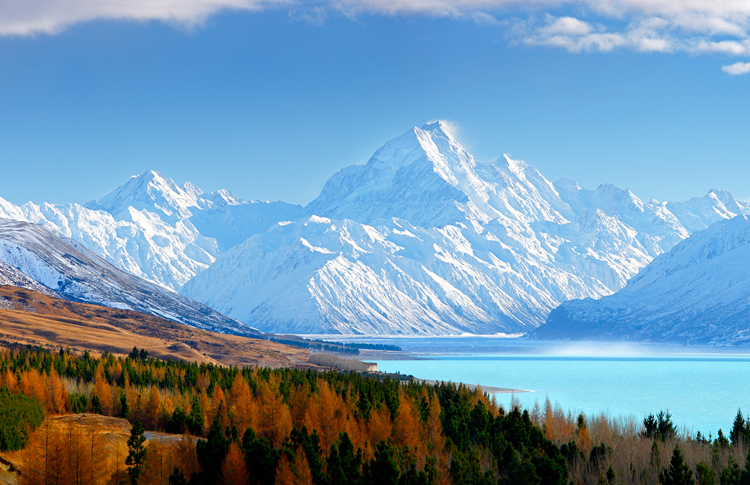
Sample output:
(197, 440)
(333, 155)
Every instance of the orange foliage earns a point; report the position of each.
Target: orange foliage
(275, 421)
(406, 425)
(151, 411)
(284, 473)
(330, 414)
(379, 424)
(301, 468)
(243, 410)
(233, 470)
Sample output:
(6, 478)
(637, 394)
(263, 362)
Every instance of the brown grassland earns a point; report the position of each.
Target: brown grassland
(31, 318)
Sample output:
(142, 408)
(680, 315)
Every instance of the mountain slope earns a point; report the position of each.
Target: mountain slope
(699, 292)
(31, 318)
(145, 226)
(423, 239)
(69, 269)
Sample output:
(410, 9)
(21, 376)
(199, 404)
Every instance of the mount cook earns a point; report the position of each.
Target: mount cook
(421, 240)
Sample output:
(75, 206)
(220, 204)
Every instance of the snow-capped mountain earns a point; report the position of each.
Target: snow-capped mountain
(147, 226)
(69, 269)
(700, 212)
(697, 293)
(424, 239)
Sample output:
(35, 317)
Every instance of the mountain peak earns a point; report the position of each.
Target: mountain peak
(439, 127)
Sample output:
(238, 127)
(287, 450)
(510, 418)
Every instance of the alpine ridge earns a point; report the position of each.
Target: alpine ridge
(698, 293)
(65, 269)
(423, 239)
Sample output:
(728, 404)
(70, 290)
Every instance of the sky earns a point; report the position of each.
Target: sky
(269, 98)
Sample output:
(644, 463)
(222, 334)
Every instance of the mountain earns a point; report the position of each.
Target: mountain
(698, 293)
(69, 269)
(155, 229)
(424, 239)
(12, 276)
(700, 212)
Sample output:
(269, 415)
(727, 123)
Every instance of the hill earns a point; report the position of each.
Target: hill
(28, 317)
(72, 271)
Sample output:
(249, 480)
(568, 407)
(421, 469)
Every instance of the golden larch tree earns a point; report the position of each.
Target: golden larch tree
(233, 469)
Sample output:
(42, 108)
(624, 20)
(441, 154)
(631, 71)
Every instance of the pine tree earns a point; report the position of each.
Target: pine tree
(136, 451)
(678, 472)
(704, 474)
(737, 433)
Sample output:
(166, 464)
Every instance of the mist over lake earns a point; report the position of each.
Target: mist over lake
(701, 386)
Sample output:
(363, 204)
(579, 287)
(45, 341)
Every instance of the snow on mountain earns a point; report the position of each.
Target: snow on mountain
(700, 212)
(145, 226)
(70, 269)
(12, 276)
(424, 239)
(697, 293)
(426, 177)
(323, 276)
(659, 230)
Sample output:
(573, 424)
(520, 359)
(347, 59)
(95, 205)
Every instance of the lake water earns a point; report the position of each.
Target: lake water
(701, 386)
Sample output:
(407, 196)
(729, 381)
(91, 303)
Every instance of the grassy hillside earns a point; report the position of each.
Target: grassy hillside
(31, 318)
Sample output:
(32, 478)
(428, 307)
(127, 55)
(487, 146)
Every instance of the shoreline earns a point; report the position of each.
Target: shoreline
(489, 389)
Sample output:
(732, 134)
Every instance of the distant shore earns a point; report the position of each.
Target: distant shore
(490, 389)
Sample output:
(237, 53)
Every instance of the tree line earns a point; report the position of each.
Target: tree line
(288, 426)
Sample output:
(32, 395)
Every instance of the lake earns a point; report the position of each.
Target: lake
(701, 386)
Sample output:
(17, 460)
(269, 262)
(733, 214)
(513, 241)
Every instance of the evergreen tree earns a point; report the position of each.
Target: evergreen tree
(124, 406)
(136, 451)
(212, 451)
(745, 475)
(382, 470)
(261, 458)
(344, 466)
(678, 473)
(704, 474)
(731, 474)
(18, 415)
(737, 433)
(610, 476)
(177, 477)
(194, 421)
(650, 426)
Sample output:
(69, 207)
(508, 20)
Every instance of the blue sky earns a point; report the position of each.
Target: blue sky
(268, 99)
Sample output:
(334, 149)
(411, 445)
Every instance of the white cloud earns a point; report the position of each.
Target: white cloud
(694, 26)
(314, 16)
(29, 17)
(737, 68)
(567, 26)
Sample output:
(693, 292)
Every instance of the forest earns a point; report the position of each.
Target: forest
(191, 423)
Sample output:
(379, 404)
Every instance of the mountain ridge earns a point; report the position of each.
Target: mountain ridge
(698, 293)
(464, 245)
(69, 269)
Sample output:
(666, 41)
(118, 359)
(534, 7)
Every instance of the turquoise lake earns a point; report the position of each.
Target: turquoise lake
(702, 387)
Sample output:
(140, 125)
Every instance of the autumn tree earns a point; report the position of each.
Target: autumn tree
(233, 469)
